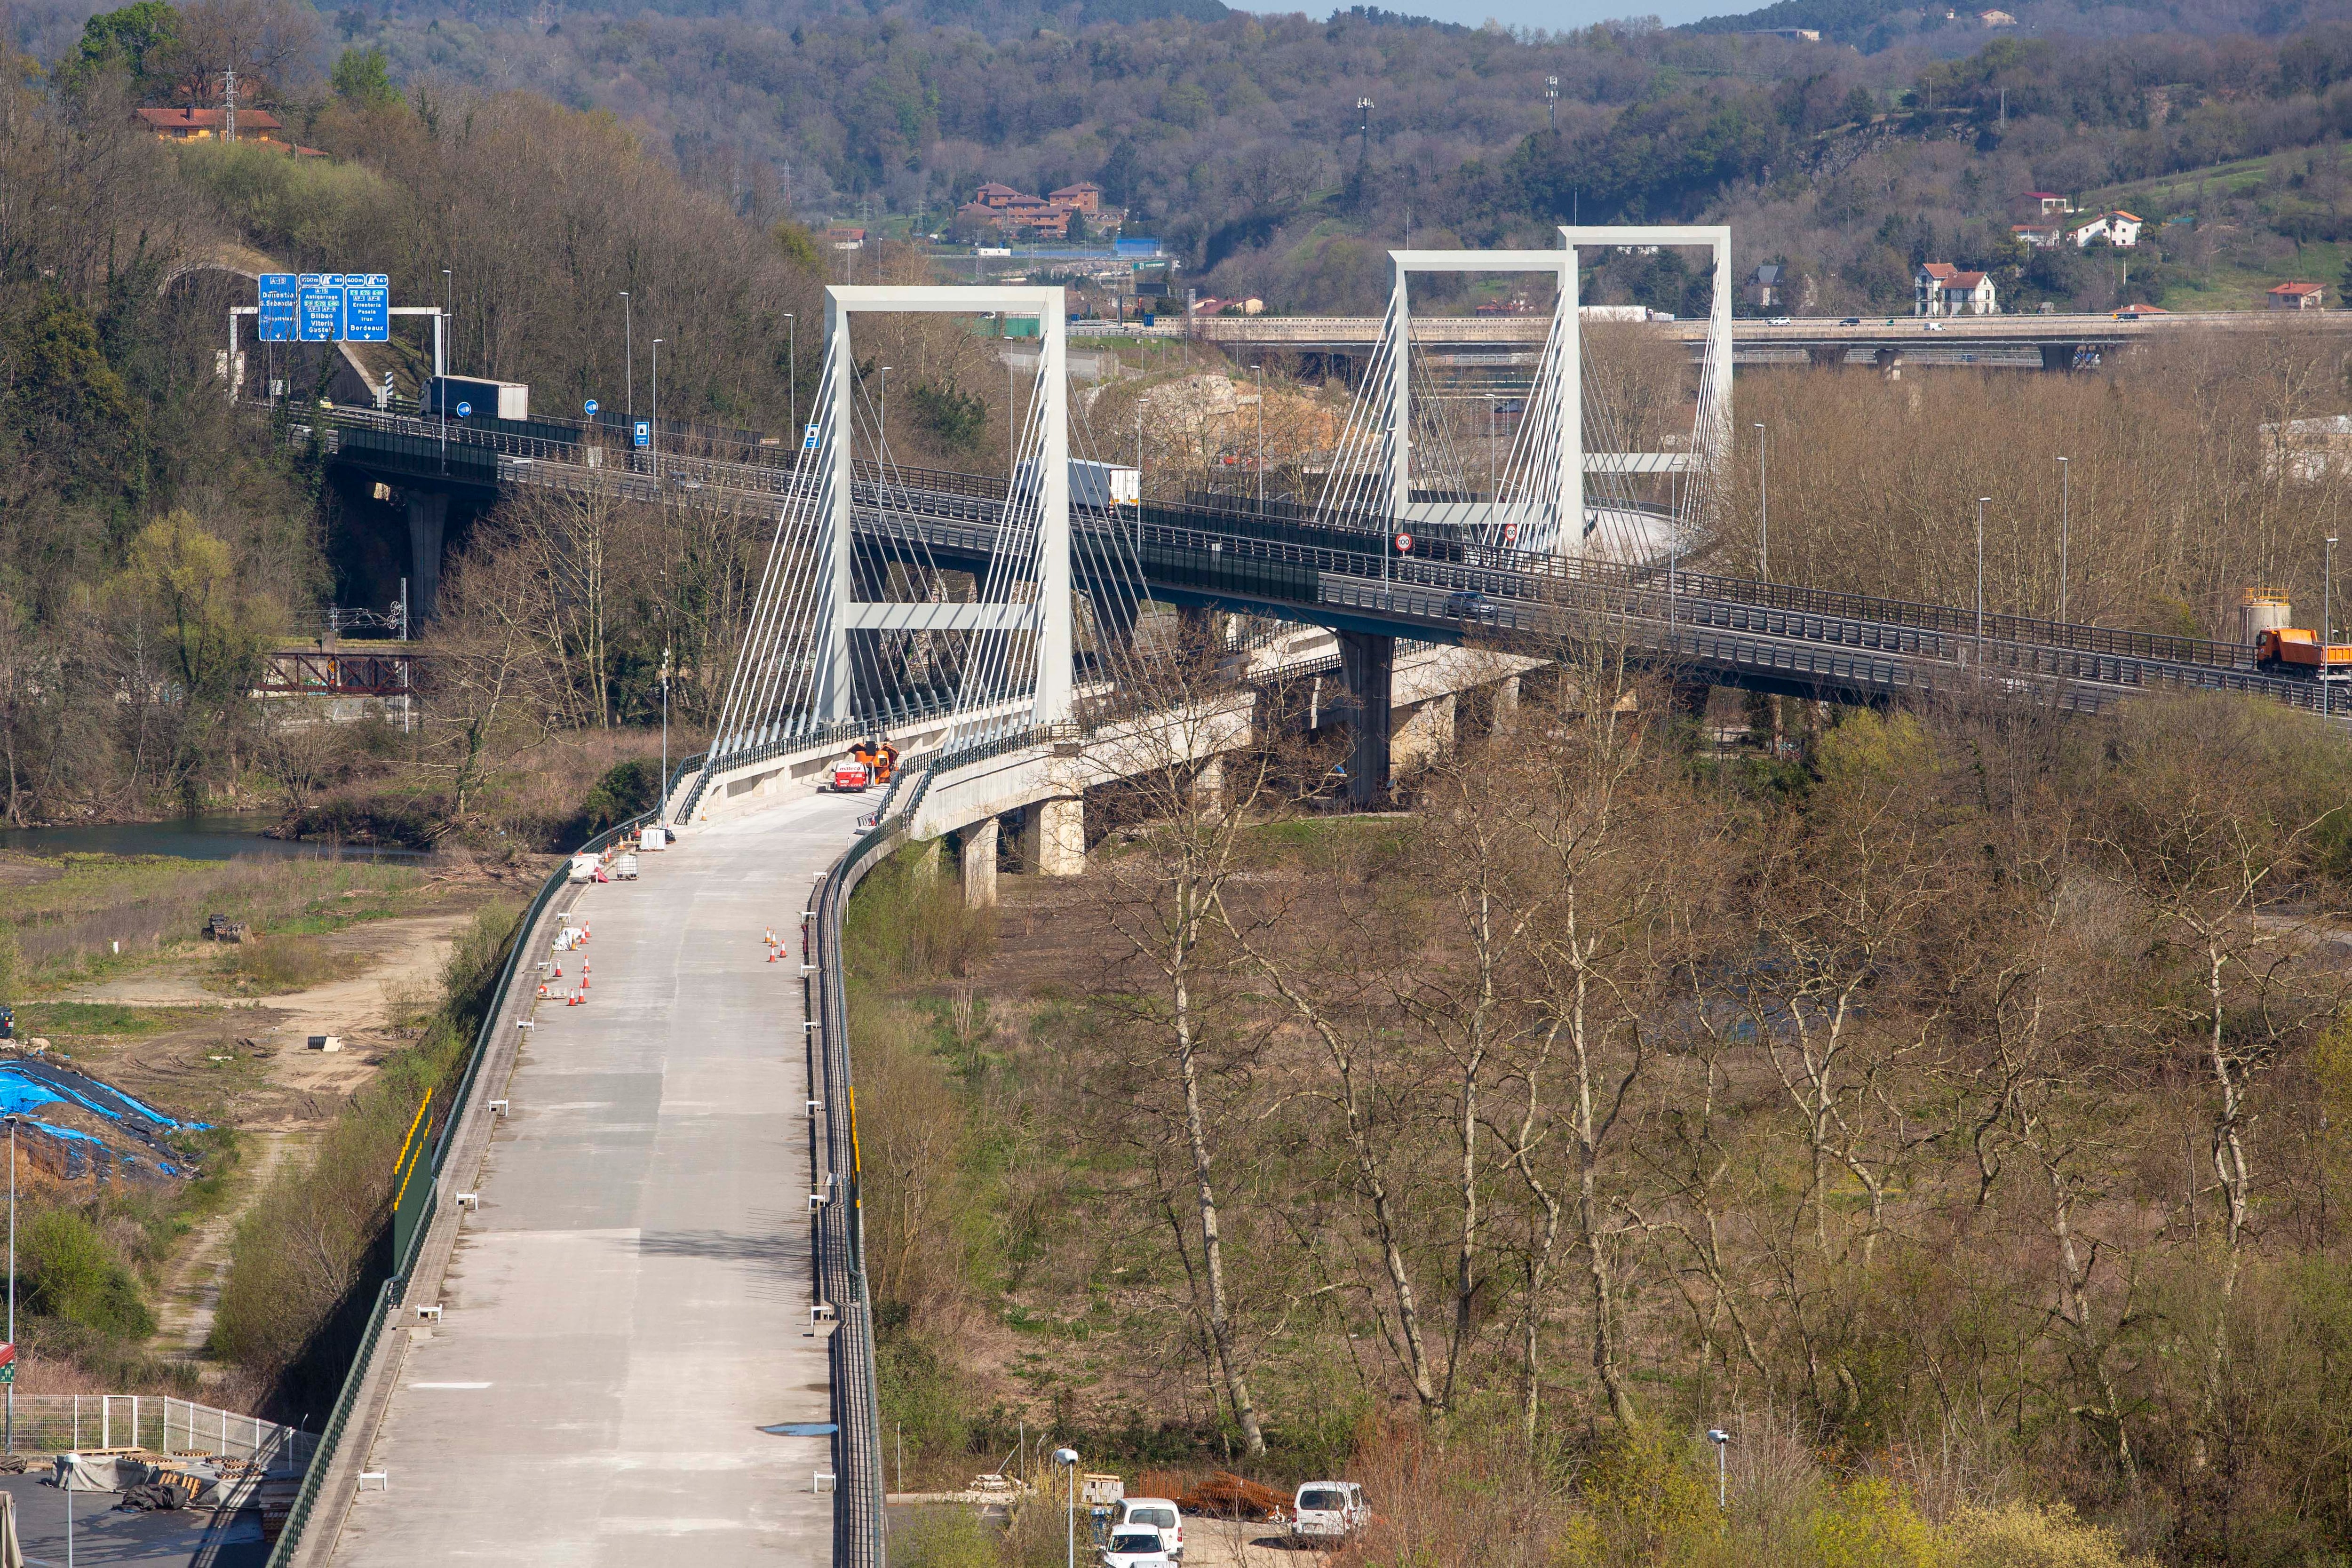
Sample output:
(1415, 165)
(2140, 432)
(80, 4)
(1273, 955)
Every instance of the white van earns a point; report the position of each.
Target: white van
(1158, 1513)
(1328, 1511)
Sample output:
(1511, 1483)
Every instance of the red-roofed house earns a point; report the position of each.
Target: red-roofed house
(1085, 197)
(182, 124)
(2297, 296)
(992, 195)
(1942, 289)
(2120, 229)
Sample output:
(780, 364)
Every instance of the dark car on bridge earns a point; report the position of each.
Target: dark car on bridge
(1469, 604)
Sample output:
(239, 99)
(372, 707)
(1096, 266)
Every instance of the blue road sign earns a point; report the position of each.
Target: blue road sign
(367, 307)
(592, 408)
(464, 409)
(319, 307)
(277, 316)
(645, 433)
(808, 439)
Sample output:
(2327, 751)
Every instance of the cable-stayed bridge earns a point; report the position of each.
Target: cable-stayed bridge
(632, 1323)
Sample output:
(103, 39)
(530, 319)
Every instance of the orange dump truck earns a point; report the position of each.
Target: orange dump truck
(2297, 651)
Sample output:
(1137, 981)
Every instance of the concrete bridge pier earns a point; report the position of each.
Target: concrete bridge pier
(1425, 736)
(1505, 707)
(1368, 661)
(1053, 838)
(2059, 356)
(1826, 356)
(428, 523)
(1889, 360)
(978, 842)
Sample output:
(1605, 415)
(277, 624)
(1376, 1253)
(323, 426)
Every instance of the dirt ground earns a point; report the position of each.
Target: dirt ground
(246, 1065)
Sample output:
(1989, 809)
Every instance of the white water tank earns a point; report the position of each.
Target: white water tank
(2264, 611)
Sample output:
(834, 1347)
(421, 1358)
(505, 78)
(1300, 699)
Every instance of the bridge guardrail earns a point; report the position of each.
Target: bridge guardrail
(330, 1442)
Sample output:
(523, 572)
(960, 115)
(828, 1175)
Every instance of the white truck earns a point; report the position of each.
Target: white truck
(1328, 1511)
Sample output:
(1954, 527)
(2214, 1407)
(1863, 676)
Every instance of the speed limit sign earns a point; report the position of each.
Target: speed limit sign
(1405, 543)
(1510, 534)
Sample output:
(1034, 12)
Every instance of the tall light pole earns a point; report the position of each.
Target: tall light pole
(665, 773)
(2065, 521)
(1260, 368)
(653, 436)
(1763, 511)
(12, 1281)
(1980, 506)
(629, 357)
(1722, 1441)
(885, 443)
(2327, 623)
(448, 312)
(792, 377)
(1069, 1456)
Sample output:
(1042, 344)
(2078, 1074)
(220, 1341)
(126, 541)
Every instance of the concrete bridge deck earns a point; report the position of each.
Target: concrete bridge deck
(631, 1303)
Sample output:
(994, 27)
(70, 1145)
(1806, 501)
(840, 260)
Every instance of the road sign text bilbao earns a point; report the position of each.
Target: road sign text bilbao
(325, 307)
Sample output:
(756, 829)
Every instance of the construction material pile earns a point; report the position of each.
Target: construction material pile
(1226, 1496)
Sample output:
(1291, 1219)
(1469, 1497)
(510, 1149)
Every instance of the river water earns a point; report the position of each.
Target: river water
(186, 838)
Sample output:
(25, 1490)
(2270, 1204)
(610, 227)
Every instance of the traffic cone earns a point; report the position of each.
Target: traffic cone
(772, 955)
(559, 971)
(575, 1000)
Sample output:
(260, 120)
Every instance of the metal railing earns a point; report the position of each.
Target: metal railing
(338, 1423)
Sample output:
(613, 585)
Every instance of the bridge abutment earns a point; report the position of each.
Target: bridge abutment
(1368, 661)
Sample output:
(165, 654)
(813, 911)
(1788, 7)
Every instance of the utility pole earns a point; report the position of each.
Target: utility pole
(228, 106)
(629, 352)
(654, 436)
(792, 381)
(665, 773)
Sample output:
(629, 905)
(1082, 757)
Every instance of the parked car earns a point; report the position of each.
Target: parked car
(1328, 1511)
(1781, 322)
(1136, 1546)
(1158, 1513)
(1851, 322)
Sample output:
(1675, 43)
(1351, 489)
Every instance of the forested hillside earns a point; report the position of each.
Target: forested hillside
(1238, 140)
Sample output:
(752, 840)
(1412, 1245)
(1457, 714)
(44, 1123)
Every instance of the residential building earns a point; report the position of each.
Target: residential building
(183, 125)
(845, 236)
(1765, 284)
(2041, 236)
(2297, 296)
(1995, 19)
(1942, 289)
(2120, 229)
(2048, 202)
(992, 195)
(1085, 197)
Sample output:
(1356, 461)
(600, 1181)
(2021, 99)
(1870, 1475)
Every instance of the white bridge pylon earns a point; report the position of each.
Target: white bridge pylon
(1551, 494)
(798, 675)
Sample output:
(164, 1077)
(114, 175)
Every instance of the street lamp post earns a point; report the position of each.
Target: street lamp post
(1722, 1441)
(1763, 509)
(885, 442)
(629, 357)
(448, 311)
(1260, 368)
(2065, 522)
(792, 377)
(1069, 1456)
(2327, 626)
(665, 773)
(12, 1279)
(653, 436)
(1980, 506)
